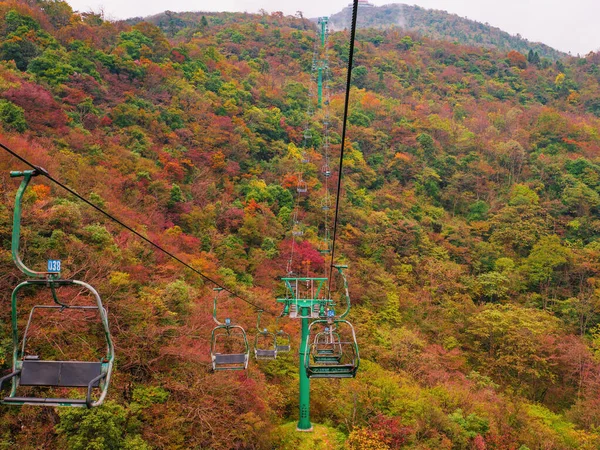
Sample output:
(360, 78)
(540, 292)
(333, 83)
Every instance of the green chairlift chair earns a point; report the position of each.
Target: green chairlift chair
(29, 370)
(333, 350)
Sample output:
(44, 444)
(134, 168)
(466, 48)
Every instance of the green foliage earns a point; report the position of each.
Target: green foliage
(471, 424)
(478, 211)
(509, 344)
(94, 429)
(24, 39)
(134, 42)
(51, 67)
(12, 116)
(176, 195)
(523, 195)
(177, 297)
(322, 438)
(547, 256)
(145, 396)
(98, 235)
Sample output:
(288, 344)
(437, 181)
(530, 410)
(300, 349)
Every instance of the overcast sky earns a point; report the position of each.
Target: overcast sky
(566, 25)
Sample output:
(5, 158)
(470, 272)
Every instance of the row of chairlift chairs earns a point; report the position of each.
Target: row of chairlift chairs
(326, 354)
(329, 353)
(229, 346)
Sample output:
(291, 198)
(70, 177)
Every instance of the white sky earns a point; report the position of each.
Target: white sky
(568, 26)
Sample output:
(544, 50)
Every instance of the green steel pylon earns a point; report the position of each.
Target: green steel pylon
(306, 301)
(323, 21)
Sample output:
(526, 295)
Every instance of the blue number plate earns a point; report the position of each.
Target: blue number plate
(54, 265)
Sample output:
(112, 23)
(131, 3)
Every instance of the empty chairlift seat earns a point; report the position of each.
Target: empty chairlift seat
(332, 352)
(229, 349)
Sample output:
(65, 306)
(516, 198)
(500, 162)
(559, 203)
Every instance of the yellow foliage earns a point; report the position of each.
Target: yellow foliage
(174, 231)
(119, 279)
(364, 439)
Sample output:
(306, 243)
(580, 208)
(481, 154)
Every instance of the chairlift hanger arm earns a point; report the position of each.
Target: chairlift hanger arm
(16, 234)
(340, 269)
(217, 292)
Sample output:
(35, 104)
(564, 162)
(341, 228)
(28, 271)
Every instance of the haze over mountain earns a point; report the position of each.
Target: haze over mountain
(438, 24)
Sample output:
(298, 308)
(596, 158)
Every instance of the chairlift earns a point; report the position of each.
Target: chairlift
(302, 187)
(31, 370)
(324, 246)
(229, 349)
(297, 229)
(327, 347)
(284, 342)
(333, 350)
(265, 343)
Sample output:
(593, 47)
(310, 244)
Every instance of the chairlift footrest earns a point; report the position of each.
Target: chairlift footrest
(45, 401)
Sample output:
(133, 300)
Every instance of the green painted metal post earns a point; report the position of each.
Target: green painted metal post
(304, 419)
(323, 21)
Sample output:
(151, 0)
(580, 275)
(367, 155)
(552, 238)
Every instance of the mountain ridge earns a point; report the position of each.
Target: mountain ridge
(440, 24)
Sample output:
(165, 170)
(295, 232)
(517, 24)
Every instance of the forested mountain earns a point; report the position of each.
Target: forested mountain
(469, 222)
(437, 24)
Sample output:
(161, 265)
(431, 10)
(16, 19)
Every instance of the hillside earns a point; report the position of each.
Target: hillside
(469, 223)
(441, 25)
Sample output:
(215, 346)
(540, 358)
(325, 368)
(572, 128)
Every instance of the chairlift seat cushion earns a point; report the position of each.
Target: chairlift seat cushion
(283, 348)
(266, 353)
(233, 358)
(59, 373)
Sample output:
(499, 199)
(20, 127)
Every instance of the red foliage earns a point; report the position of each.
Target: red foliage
(174, 171)
(391, 430)
(42, 113)
(305, 257)
(517, 59)
(106, 121)
(231, 220)
(177, 57)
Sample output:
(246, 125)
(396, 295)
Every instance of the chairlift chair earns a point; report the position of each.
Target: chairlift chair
(327, 347)
(302, 187)
(31, 370)
(265, 343)
(324, 246)
(229, 349)
(342, 361)
(284, 342)
(297, 229)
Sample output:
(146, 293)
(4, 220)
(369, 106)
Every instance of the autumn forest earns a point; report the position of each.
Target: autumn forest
(468, 221)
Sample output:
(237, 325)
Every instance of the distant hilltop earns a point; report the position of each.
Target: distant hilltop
(441, 25)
